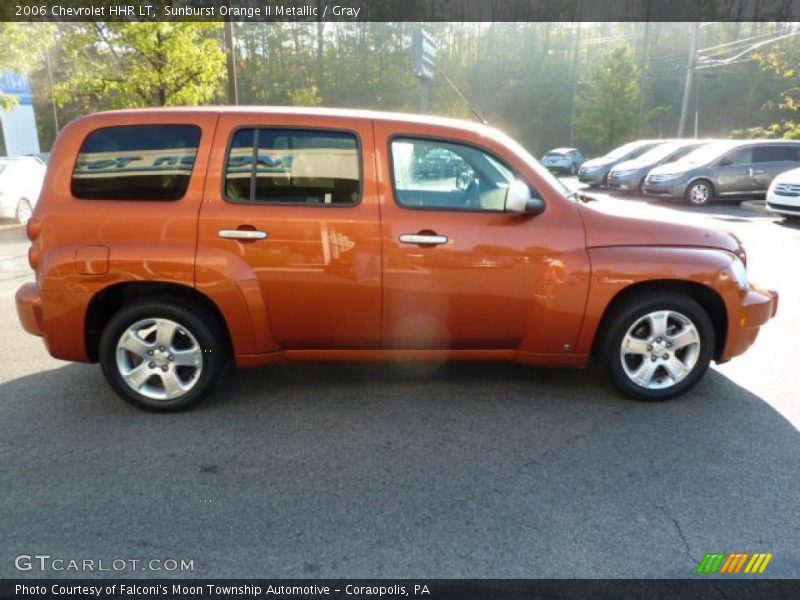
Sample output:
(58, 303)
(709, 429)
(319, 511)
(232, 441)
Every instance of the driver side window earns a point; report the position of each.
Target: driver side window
(430, 174)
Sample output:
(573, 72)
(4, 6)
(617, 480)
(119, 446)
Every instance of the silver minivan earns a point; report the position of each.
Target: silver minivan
(732, 168)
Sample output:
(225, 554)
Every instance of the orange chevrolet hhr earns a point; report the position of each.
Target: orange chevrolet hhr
(167, 242)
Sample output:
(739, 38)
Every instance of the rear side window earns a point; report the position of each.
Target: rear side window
(298, 167)
(762, 154)
(136, 162)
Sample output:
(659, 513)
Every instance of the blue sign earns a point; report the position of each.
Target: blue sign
(18, 85)
(424, 48)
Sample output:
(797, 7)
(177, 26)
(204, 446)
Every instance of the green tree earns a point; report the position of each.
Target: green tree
(608, 102)
(22, 47)
(783, 65)
(118, 65)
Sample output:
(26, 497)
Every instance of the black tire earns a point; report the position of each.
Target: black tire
(193, 321)
(693, 194)
(625, 315)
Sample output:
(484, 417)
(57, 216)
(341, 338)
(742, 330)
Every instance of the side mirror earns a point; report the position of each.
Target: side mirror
(519, 200)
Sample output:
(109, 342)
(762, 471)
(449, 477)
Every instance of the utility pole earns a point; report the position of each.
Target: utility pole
(233, 90)
(576, 51)
(687, 88)
(50, 83)
(642, 67)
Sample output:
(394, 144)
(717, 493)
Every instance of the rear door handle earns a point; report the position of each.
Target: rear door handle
(423, 239)
(243, 234)
(755, 172)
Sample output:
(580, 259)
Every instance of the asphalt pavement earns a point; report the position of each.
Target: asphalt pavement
(458, 470)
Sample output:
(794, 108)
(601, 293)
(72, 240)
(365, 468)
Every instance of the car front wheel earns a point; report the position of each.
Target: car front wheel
(657, 346)
(160, 356)
(699, 193)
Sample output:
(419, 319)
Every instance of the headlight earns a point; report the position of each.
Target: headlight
(739, 273)
(627, 173)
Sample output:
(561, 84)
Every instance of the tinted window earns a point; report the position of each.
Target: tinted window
(443, 175)
(763, 154)
(742, 156)
(293, 167)
(136, 162)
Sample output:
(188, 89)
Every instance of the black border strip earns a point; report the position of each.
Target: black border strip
(403, 10)
(395, 589)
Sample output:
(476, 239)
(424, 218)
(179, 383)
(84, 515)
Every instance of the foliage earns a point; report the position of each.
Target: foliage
(783, 64)
(117, 65)
(522, 77)
(608, 102)
(21, 46)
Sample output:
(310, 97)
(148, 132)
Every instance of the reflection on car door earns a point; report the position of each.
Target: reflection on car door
(734, 173)
(769, 161)
(296, 204)
(458, 272)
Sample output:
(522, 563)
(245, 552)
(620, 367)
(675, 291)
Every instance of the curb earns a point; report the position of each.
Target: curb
(757, 206)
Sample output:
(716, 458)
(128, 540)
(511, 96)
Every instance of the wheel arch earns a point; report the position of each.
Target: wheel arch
(707, 297)
(111, 299)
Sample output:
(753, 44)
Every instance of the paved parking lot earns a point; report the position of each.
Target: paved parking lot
(400, 471)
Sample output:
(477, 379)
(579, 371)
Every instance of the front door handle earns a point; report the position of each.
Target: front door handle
(423, 239)
(243, 234)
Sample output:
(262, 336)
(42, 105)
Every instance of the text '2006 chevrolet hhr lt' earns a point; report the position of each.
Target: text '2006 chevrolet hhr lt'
(168, 243)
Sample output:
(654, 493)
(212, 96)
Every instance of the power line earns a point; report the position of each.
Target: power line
(713, 62)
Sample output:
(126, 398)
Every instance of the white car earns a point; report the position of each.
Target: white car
(20, 183)
(783, 195)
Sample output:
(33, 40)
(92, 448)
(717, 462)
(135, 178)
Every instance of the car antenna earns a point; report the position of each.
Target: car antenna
(463, 98)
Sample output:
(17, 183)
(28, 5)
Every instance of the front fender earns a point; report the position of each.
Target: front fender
(616, 269)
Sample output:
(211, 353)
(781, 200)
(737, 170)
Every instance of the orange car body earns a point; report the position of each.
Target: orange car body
(334, 283)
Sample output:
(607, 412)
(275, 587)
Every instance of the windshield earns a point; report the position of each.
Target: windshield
(623, 151)
(660, 152)
(515, 147)
(706, 154)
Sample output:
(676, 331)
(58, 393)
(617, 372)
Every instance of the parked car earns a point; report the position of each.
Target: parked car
(725, 170)
(564, 160)
(439, 164)
(783, 195)
(20, 183)
(629, 175)
(595, 171)
(168, 242)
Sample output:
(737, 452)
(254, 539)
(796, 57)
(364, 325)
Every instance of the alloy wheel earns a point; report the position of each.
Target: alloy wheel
(660, 349)
(159, 358)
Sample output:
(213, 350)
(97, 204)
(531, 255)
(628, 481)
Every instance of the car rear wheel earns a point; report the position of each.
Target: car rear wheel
(699, 193)
(24, 211)
(161, 356)
(657, 346)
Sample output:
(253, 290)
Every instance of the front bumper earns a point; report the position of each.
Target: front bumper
(783, 205)
(29, 309)
(597, 178)
(626, 184)
(664, 190)
(758, 306)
